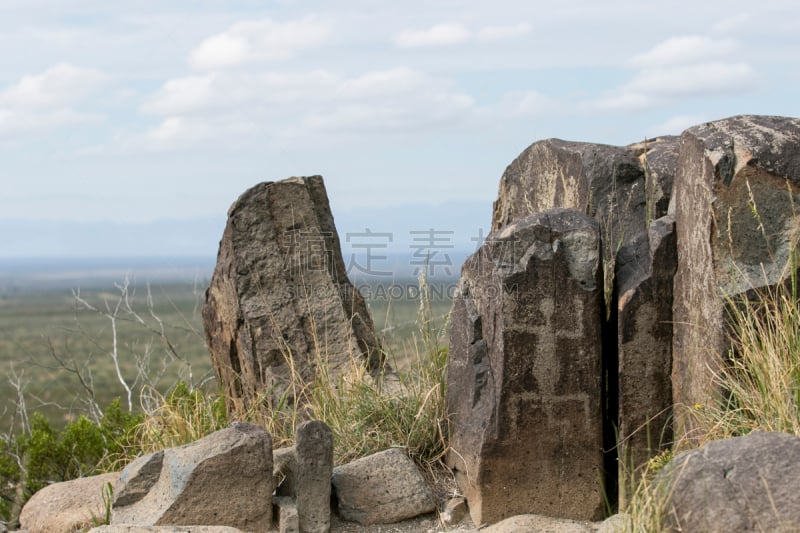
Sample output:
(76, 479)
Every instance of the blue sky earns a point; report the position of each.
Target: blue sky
(156, 113)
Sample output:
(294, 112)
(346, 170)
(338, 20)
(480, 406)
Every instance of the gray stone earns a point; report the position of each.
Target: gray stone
(129, 528)
(138, 478)
(454, 511)
(618, 523)
(644, 318)
(68, 506)
(382, 488)
(288, 519)
(306, 470)
(524, 376)
(727, 169)
(279, 292)
(223, 479)
(531, 523)
(741, 484)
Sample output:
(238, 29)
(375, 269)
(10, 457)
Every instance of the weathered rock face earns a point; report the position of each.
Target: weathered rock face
(223, 479)
(727, 170)
(749, 483)
(605, 182)
(68, 506)
(530, 522)
(659, 160)
(382, 488)
(524, 385)
(644, 318)
(624, 189)
(280, 291)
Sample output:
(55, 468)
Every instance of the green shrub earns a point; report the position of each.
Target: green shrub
(48, 455)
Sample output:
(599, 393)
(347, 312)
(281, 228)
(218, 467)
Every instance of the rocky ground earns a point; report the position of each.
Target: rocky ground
(422, 524)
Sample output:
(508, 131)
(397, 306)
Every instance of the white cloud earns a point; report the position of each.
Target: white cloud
(451, 33)
(440, 35)
(392, 81)
(731, 24)
(625, 100)
(652, 87)
(46, 100)
(675, 125)
(525, 103)
(683, 50)
(694, 80)
(681, 67)
(496, 33)
(295, 105)
(183, 95)
(20, 121)
(259, 40)
(59, 85)
(227, 91)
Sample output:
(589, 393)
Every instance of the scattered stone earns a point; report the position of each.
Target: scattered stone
(455, 510)
(618, 523)
(741, 484)
(126, 528)
(306, 469)
(727, 170)
(532, 523)
(288, 519)
(280, 291)
(382, 488)
(68, 506)
(644, 318)
(524, 378)
(222, 479)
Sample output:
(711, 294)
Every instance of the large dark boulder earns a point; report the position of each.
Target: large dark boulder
(741, 484)
(280, 303)
(524, 381)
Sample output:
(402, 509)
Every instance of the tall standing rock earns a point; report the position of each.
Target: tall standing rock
(524, 385)
(280, 301)
(644, 318)
(624, 189)
(736, 188)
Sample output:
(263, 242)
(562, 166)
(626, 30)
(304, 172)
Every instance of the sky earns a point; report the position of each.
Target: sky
(129, 127)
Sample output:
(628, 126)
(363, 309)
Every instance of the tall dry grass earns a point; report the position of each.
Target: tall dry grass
(366, 413)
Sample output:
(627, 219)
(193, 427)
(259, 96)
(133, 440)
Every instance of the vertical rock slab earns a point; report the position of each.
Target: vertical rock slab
(644, 318)
(736, 191)
(624, 189)
(280, 301)
(223, 479)
(307, 468)
(524, 380)
(605, 182)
